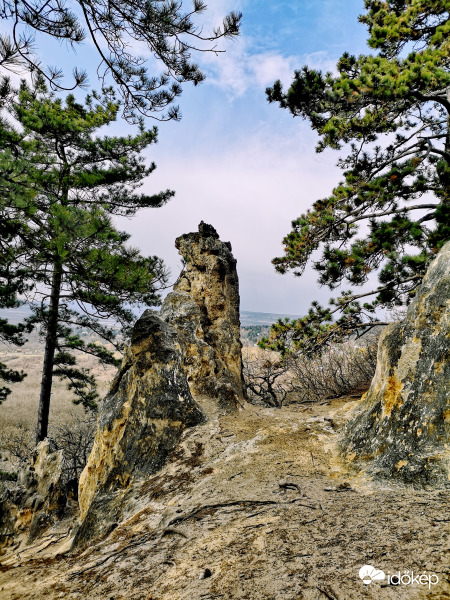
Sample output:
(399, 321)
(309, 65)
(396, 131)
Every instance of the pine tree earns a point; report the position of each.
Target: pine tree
(167, 31)
(391, 214)
(12, 276)
(9, 287)
(72, 264)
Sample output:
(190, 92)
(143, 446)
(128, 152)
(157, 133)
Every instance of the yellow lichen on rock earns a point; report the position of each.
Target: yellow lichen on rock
(105, 452)
(141, 420)
(400, 464)
(392, 398)
(410, 391)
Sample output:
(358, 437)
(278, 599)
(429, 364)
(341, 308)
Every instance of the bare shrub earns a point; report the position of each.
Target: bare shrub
(343, 370)
(18, 444)
(75, 439)
(267, 377)
(340, 371)
(73, 436)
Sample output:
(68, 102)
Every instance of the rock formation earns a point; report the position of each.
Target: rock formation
(204, 308)
(402, 429)
(191, 348)
(37, 500)
(141, 419)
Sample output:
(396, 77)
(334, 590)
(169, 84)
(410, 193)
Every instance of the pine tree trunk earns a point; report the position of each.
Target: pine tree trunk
(49, 354)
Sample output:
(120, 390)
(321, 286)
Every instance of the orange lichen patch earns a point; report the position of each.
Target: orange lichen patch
(123, 479)
(137, 518)
(400, 464)
(437, 313)
(365, 457)
(439, 366)
(392, 396)
(419, 432)
(23, 519)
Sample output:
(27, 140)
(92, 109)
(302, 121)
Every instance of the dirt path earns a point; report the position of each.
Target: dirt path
(251, 506)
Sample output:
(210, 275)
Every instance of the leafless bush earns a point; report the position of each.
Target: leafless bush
(342, 370)
(17, 444)
(75, 439)
(267, 378)
(73, 436)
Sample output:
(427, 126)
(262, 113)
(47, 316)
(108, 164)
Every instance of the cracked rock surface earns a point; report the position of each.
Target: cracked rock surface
(401, 431)
(141, 419)
(204, 308)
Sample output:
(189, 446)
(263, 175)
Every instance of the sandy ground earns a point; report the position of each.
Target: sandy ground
(253, 506)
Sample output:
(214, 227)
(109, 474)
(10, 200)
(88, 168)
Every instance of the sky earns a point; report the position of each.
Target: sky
(237, 162)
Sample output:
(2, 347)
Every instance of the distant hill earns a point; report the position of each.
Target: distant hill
(15, 315)
(249, 318)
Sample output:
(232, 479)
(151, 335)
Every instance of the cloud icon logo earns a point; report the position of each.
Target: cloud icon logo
(369, 574)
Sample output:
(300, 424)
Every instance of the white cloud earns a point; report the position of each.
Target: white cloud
(250, 191)
(266, 68)
(243, 67)
(240, 69)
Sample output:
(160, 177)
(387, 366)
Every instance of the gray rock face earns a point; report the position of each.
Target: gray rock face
(142, 418)
(402, 429)
(204, 308)
(183, 313)
(37, 500)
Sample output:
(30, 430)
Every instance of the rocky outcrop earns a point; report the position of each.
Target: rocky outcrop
(402, 429)
(142, 418)
(38, 498)
(204, 308)
(189, 349)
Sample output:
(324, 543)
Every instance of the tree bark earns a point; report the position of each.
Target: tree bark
(49, 354)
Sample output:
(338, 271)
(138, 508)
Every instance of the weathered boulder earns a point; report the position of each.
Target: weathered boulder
(204, 308)
(38, 499)
(46, 476)
(402, 428)
(141, 419)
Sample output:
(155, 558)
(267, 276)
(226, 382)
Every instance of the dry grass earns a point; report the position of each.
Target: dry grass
(21, 406)
(18, 414)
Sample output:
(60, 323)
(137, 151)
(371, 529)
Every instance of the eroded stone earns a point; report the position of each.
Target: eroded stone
(402, 430)
(204, 307)
(38, 499)
(190, 348)
(142, 418)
